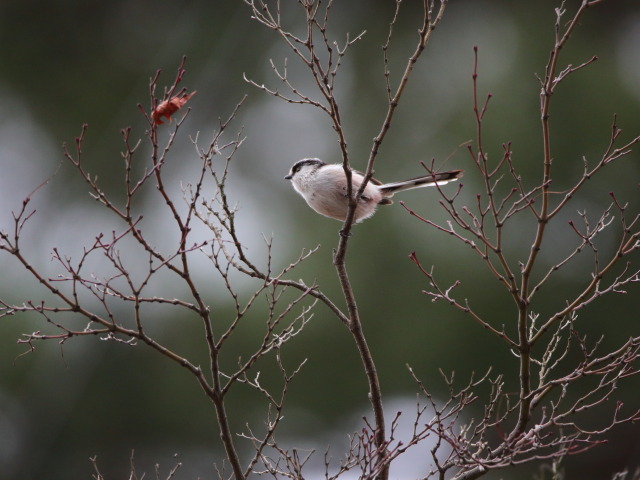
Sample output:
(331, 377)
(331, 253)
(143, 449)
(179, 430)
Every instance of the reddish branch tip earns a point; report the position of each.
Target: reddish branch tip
(169, 107)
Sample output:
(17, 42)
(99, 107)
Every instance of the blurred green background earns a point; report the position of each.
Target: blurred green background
(66, 63)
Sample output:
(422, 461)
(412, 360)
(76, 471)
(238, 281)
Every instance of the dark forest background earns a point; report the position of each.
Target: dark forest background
(66, 63)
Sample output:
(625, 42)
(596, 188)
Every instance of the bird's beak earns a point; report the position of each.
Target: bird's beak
(288, 177)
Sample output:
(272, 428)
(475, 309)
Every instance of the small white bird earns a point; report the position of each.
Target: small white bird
(324, 187)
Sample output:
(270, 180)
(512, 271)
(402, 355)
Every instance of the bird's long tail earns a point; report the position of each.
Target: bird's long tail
(425, 181)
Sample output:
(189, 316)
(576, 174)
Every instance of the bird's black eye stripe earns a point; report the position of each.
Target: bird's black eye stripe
(307, 161)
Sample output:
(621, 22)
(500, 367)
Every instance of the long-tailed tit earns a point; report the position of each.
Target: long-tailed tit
(324, 187)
